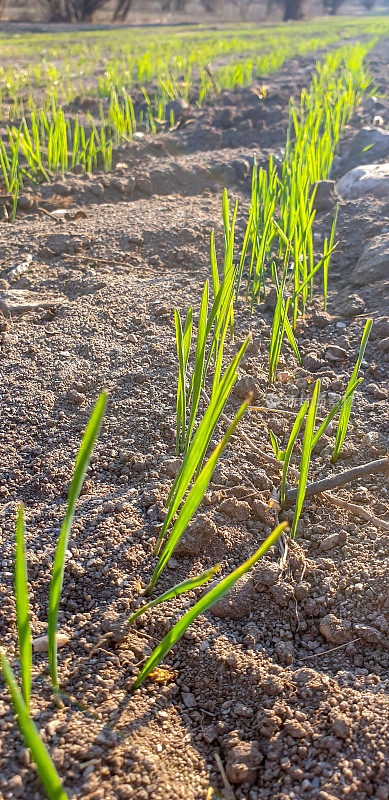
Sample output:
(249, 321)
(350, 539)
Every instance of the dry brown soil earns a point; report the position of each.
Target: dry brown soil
(294, 708)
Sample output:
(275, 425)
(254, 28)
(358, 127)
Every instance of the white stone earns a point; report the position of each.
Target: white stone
(369, 144)
(40, 645)
(373, 264)
(369, 179)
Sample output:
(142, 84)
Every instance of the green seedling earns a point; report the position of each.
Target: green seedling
(279, 454)
(288, 452)
(22, 609)
(334, 410)
(328, 248)
(194, 498)
(186, 586)
(282, 215)
(198, 376)
(203, 604)
(183, 340)
(280, 326)
(346, 407)
(211, 333)
(305, 455)
(81, 465)
(44, 765)
(195, 454)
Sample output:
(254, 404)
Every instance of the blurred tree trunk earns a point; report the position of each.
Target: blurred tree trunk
(121, 10)
(210, 6)
(74, 10)
(331, 6)
(293, 10)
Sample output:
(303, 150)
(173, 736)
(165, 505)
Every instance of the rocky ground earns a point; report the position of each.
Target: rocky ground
(283, 682)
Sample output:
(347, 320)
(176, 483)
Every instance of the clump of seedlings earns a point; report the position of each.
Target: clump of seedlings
(311, 437)
(21, 700)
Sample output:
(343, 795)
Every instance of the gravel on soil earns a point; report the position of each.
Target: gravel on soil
(287, 678)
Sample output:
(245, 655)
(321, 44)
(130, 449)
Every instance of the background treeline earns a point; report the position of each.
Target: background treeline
(123, 10)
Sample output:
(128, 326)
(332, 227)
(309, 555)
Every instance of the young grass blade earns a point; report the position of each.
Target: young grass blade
(222, 307)
(226, 218)
(346, 408)
(22, 609)
(219, 351)
(199, 444)
(181, 392)
(292, 340)
(315, 269)
(199, 364)
(292, 438)
(194, 498)
(175, 591)
(183, 340)
(203, 604)
(244, 250)
(306, 456)
(280, 326)
(44, 765)
(334, 411)
(81, 465)
(279, 454)
(326, 262)
(274, 339)
(214, 269)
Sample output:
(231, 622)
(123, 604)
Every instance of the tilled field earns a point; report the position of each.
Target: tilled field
(278, 692)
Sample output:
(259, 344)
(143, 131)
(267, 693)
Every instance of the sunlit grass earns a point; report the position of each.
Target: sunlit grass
(41, 138)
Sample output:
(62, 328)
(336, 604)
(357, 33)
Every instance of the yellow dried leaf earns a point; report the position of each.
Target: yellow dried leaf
(162, 675)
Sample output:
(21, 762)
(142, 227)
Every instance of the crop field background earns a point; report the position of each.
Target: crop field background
(121, 89)
(194, 345)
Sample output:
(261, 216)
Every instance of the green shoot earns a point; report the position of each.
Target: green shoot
(212, 330)
(194, 498)
(346, 407)
(22, 609)
(280, 326)
(279, 454)
(195, 454)
(277, 334)
(186, 586)
(81, 465)
(306, 455)
(328, 247)
(203, 604)
(334, 410)
(44, 765)
(183, 339)
(292, 438)
(198, 374)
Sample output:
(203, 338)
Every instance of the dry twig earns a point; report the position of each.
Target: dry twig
(336, 501)
(330, 650)
(58, 220)
(357, 510)
(227, 786)
(349, 476)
